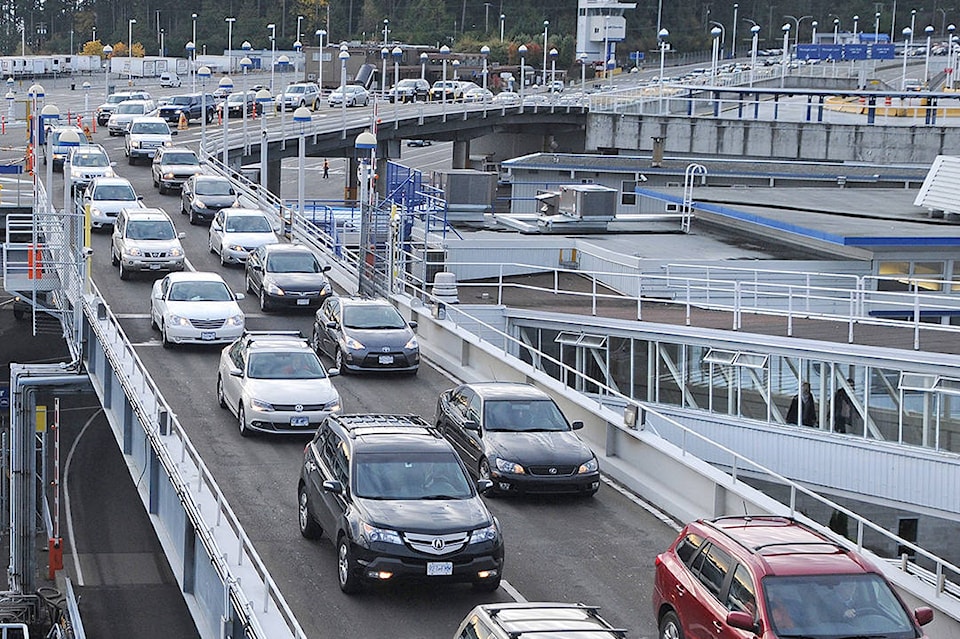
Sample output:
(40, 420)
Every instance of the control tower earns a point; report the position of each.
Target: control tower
(600, 26)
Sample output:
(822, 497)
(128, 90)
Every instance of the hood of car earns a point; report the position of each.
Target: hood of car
(291, 391)
(426, 516)
(298, 281)
(114, 205)
(250, 240)
(381, 339)
(201, 310)
(215, 201)
(180, 168)
(542, 448)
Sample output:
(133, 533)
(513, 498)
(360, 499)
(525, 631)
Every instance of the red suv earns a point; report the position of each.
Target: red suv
(773, 577)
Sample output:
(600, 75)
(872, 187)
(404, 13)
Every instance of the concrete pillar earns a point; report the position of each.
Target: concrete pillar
(461, 154)
(351, 183)
(381, 183)
(273, 175)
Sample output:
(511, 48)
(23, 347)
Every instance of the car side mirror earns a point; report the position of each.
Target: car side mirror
(181, 235)
(471, 425)
(238, 296)
(215, 226)
(256, 267)
(174, 132)
(741, 620)
(325, 268)
(413, 324)
(333, 372)
(576, 425)
(333, 486)
(236, 372)
(113, 164)
(483, 485)
(139, 198)
(923, 615)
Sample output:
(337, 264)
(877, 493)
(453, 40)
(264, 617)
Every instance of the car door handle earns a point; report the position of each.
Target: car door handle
(717, 626)
(681, 590)
(311, 466)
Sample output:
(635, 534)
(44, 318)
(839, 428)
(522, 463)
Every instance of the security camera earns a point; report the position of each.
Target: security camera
(87, 251)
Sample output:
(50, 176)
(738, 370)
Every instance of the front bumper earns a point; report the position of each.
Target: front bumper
(139, 263)
(367, 361)
(585, 484)
(287, 422)
(190, 334)
(298, 300)
(484, 564)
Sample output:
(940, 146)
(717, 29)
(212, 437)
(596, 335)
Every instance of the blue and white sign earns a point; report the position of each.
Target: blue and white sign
(4, 396)
(636, 55)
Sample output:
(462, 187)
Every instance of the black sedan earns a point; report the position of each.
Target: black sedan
(203, 195)
(515, 435)
(287, 276)
(362, 334)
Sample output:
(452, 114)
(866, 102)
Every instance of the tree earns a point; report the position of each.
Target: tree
(92, 47)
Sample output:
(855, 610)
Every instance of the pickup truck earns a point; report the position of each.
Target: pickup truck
(191, 104)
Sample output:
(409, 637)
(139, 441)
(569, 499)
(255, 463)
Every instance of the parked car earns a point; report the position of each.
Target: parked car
(397, 504)
(478, 94)
(452, 89)
(555, 86)
(420, 143)
(192, 105)
(172, 166)
(287, 275)
(355, 94)
(106, 197)
(194, 307)
(301, 94)
(516, 436)
(201, 196)
(533, 618)
(106, 109)
(275, 383)
(363, 334)
(145, 136)
(768, 576)
(507, 98)
(57, 149)
(88, 162)
(235, 233)
(409, 90)
(124, 114)
(144, 239)
(169, 80)
(239, 102)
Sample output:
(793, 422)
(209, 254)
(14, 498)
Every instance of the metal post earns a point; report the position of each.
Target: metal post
(926, 60)
(662, 35)
(907, 34)
(273, 52)
(344, 56)
(204, 73)
(245, 63)
(502, 17)
(320, 34)
(786, 54)
(733, 39)
(264, 101)
(227, 85)
(107, 50)
(522, 50)
(543, 72)
(193, 55)
(301, 116)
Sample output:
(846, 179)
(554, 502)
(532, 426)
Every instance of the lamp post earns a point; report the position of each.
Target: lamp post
(365, 142)
(226, 84)
(502, 18)
(423, 65)
(484, 53)
(229, 22)
(733, 39)
(48, 112)
(301, 117)
(321, 33)
(161, 42)
(191, 48)
(456, 70)
(245, 63)
(444, 54)
(299, 33)
(856, 26)
(69, 139)
(543, 75)
(553, 70)
(386, 30)
(606, 43)
(344, 56)
(297, 46)
(130, 23)
(397, 54)
(913, 24)
(283, 62)
(36, 95)
(755, 30)
(836, 30)
(582, 59)
(86, 100)
(876, 27)
(522, 50)
(796, 23)
(786, 53)
(384, 54)
(715, 33)
(264, 101)
(662, 36)
(204, 74)
(273, 51)
(906, 46)
(107, 50)
(926, 61)
(813, 35)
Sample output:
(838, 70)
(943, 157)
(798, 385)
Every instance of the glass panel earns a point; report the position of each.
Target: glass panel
(927, 275)
(955, 287)
(751, 360)
(947, 385)
(593, 341)
(894, 269)
(918, 415)
(641, 377)
(620, 363)
(915, 381)
(668, 361)
(566, 337)
(752, 384)
(717, 356)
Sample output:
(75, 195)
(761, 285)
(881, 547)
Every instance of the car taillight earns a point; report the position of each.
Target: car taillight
(657, 562)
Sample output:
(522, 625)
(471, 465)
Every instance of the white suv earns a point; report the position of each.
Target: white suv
(146, 240)
(125, 112)
(145, 136)
(88, 162)
(300, 94)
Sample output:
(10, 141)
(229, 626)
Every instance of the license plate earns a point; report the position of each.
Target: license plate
(300, 420)
(303, 301)
(439, 568)
(155, 267)
(386, 359)
(208, 336)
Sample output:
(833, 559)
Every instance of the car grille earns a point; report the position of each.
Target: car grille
(151, 253)
(182, 176)
(303, 408)
(558, 471)
(115, 214)
(207, 324)
(437, 544)
(151, 144)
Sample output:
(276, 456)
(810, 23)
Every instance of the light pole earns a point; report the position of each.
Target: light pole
(856, 33)
(456, 70)
(273, 51)
(297, 46)
(543, 76)
(907, 33)
(813, 35)
(423, 65)
(86, 100)
(107, 50)
(344, 56)
(191, 52)
(384, 54)
(301, 117)
(130, 23)
(397, 54)
(320, 35)
(715, 33)
(876, 27)
(229, 22)
(943, 23)
(204, 74)
(913, 24)
(522, 50)
(226, 84)
(245, 63)
(48, 112)
(264, 102)
(71, 140)
(950, 57)
(836, 30)
(582, 59)
(733, 39)
(786, 53)
(484, 53)
(299, 21)
(796, 23)
(366, 141)
(161, 42)
(606, 43)
(386, 30)
(36, 95)
(926, 61)
(444, 54)
(755, 30)
(283, 62)
(662, 36)
(502, 18)
(553, 68)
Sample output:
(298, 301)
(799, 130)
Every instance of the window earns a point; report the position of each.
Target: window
(711, 568)
(476, 629)
(741, 597)
(628, 196)
(687, 548)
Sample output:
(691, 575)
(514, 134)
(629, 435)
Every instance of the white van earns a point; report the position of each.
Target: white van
(169, 80)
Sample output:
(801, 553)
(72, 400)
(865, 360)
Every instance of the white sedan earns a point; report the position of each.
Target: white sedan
(195, 308)
(235, 233)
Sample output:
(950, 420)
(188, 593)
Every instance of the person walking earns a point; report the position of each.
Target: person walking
(806, 405)
(843, 408)
(326, 168)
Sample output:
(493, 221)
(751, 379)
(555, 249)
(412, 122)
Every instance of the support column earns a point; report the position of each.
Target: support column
(461, 154)
(273, 176)
(381, 182)
(351, 183)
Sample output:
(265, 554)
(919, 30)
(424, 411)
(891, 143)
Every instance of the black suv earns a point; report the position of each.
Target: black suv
(398, 504)
(191, 105)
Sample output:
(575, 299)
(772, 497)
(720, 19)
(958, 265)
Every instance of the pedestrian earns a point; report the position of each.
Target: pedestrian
(326, 168)
(807, 407)
(843, 408)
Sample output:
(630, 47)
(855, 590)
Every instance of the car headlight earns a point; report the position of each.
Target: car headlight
(353, 344)
(372, 534)
(273, 289)
(507, 466)
(134, 144)
(109, 173)
(168, 175)
(176, 252)
(260, 405)
(236, 320)
(490, 533)
(412, 344)
(198, 203)
(96, 212)
(589, 467)
(176, 320)
(333, 406)
(239, 248)
(134, 251)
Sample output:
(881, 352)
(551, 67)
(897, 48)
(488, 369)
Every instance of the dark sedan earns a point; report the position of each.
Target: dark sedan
(362, 334)
(203, 195)
(237, 103)
(515, 435)
(288, 276)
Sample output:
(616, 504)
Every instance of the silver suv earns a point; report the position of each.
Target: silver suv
(145, 136)
(125, 112)
(508, 620)
(172, 166)
(300, 94)
(145, 240)
(107, 108)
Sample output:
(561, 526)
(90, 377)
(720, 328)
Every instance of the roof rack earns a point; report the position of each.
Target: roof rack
(825, 542)
(593, 611)
(363, 423)
(260, 336)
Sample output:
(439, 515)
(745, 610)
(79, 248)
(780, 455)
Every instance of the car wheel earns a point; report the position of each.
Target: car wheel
(221, 398)
(163, 189)
(346, 574)
(153, 322)
(164, 340)
(114, 260)
(484, 469)
(194, 220)
(124, 273)
(338, 360)
(249, 284)
(209, 242)
(156, 183)
(308, 524)
(223, 262)
(242, 422)
(264, 304)
(315, 341)
(131, 160)
(670, 627)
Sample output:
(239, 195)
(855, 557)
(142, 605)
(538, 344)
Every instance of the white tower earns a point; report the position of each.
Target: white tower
(600, 25)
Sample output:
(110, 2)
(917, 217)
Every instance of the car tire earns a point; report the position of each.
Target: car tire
(242, 422)
(264, 304)
(221, 398)
(131, 160)
(248, 284)
(163, 190)
(670, 626)
(163, 338)
(315, 341)
(223, 262)
(124, 273)
(114, 260)
(347, 575)
(338, 361)
(209, 243)
(194, 220)
(153, 322)
(309, 528)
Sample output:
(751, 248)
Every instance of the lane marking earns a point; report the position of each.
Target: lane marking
(513, 592)
(68, 511)
(650, 508)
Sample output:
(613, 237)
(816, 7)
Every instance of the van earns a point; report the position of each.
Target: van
(169, 80)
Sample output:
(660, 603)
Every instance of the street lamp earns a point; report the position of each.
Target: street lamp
(423, 65)
(301, 117)
(321, 33)
(107, 50)
(299, 21)
(926, 62)
(755, 31)
(397, 54)
(582, 59)
(543, 76)
(733, 39)
(191, 55)
(48, 112)
(813, 36)
(502, 18)
(384, 54)
(229, 22)
(36, 95)
(386, 30)
(273, 51)
(245, 63)
(797, 22)
(836, 30)
(950, 57)
(876, 27)
(444, 54)
(86, 99)
(484, 53)
(913, 24)
(283, 62)
(69, 139)
(553, 68)
(204, 74)
(715, 33)
(662, 36)
(907, 34)
(786, 53)
(264, 102)
(226, 85)
(522, 50)
(344, 56)
(366, 141)
(130, 23)
(456, 70)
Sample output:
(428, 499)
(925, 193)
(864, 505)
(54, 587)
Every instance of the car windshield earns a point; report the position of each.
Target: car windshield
(150, 230)
(247, 224)
(293, 263)
(406, 83)
(151, 128)
(296, 89)
(182, 99)
(414, 476)
(131, 108)
(180, 158)
(213, 187)
(815, 606)
(90, 159)
(371, 317)
(523, 416)
(235, 98)
(300, 364)
(117, 192)
(117, 99)
(199, 292)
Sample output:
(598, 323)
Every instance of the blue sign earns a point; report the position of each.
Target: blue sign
(4, 395)
(831, 52)
(883, 52)
(636, 55)
(845, 52)
(854, 52)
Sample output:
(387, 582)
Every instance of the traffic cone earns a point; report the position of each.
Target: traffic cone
(182, 124)
(28, 160)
